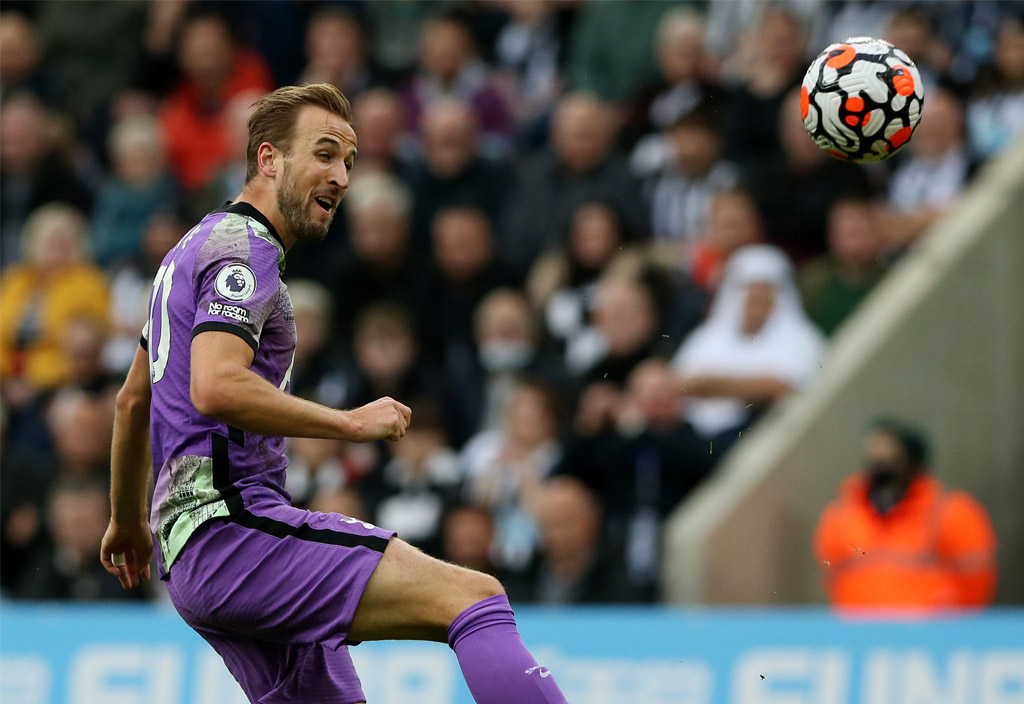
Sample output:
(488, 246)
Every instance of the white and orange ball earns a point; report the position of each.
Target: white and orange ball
(861, 99)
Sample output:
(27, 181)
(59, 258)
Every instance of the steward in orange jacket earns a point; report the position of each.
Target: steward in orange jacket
(896, 538)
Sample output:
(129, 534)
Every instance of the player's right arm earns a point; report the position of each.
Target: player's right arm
(223, 387)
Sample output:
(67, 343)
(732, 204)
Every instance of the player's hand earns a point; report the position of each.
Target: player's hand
(383, 419)
(126, 551)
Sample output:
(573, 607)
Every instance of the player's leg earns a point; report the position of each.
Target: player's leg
(414, 596)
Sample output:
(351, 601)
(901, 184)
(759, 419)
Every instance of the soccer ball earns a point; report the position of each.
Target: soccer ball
(861, 99)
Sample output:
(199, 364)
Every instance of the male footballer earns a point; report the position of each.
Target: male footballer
(279, 592)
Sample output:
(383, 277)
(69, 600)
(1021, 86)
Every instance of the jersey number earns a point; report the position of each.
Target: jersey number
(158, 352)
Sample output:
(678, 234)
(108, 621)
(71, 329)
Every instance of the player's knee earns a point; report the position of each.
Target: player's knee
(486, 586)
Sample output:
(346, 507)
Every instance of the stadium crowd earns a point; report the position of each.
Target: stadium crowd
(589, 243)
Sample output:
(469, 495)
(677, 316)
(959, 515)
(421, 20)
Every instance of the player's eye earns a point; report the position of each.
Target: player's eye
(324, 156)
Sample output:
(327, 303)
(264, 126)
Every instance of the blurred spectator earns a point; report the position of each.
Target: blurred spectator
(833, 285)
(130, 284)
(465, 270)
(995, 111)
(505, 468)
(612, 49)
(682, 170)
(579, 168)
(776, 65)
(795, 188)
(450, 67)
(214, 70)
(84, 341)
(530, 51)
(410, 492)
(316, 366)
(927, 183)
(229, 179)
(20, 67)
(755, 346)
(633, 448)
(683, 67)
(626, 331)
(468, 538)
(346, 501)
(382, 266)
(734, 221)
(337, 53)
(910, 30)
(897, 539)
(574, 565)
(33, 171)
(81, 425)
(319, 467)
(55, 284)
(379, 122)
(138, 186)
(76, 516)
(452, 171)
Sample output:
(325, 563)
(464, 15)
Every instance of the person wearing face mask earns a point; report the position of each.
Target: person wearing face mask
(897, 539)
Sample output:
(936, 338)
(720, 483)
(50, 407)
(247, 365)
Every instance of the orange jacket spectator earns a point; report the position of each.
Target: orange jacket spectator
(215, 71)
(932, 549)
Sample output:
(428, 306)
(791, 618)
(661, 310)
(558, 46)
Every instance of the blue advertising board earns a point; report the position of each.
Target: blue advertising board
(146, 655)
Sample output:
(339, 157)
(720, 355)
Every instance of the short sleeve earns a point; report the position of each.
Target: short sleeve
(236, 289)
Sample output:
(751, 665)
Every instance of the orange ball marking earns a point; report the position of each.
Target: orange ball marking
(855, 104)
(852, 120)
(901, 136)
(805, 102)
(903, 81)
(845, 56)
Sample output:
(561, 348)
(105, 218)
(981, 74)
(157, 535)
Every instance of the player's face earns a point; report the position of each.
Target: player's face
(314, 176)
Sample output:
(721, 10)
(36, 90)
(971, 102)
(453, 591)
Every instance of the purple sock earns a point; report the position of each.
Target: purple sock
(497, 666)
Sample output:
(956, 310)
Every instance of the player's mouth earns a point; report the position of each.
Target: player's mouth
(328, 203)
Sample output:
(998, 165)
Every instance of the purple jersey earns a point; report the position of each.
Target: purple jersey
(224, 275)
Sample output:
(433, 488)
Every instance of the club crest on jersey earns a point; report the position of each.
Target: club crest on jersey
(236, 282)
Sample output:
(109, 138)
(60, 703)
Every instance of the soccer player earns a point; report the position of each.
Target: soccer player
(279, 592)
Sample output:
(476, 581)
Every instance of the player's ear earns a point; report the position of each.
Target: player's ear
(267, 159)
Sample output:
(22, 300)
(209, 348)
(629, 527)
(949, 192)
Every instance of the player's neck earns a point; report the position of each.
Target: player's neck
(263, 200)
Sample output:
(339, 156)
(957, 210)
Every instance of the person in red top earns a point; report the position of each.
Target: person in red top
(897, 539)
(214, 71)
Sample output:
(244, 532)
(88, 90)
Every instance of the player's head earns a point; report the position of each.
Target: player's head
(301, 140)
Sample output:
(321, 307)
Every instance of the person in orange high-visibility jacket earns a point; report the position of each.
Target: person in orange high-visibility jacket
(897, 539)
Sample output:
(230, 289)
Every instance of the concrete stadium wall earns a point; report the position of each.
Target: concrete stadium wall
(939, 342)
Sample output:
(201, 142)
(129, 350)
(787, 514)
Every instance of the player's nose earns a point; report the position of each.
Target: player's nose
(339, 177)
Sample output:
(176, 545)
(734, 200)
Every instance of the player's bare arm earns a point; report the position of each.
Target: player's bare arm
(224, 387)
(128, 539)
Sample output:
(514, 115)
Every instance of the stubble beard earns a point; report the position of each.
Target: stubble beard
(295, 211)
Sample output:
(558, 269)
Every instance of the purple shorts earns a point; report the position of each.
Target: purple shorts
(274, 591)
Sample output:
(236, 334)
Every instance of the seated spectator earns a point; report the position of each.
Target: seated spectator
(55, 284)
(452, 171)
(34, 171)
(468, 538)
(755, 346)
(927, 183)
(634, 449)
(580, 167)
(215, 70)
(995, 110)
(682, 169)
(734, 221)
(84, 341)
(910, 28)
(682, 84)
(897, 539)
(384, 144)
(316, 371)
(322, 472)
(449, 67)
(138, 186)
(337, 54)
(346, 501)
(833, 285)
(795, 188)
(466, 269)
(382, 265)
(574, 565)
(81, 425)
(410, 492)
(505, 468)
(76, 517)
(775, 64)
(21, 69)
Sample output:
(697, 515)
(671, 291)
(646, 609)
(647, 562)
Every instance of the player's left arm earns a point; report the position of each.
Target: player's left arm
(128, 534)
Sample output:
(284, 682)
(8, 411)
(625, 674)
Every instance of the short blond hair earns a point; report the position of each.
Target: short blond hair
(274, 115)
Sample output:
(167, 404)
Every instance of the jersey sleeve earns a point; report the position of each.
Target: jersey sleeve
(236, 289)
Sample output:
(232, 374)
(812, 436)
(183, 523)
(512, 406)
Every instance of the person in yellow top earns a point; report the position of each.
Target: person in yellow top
(54, 284)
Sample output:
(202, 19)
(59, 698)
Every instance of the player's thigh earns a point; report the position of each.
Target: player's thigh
(414, 596)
